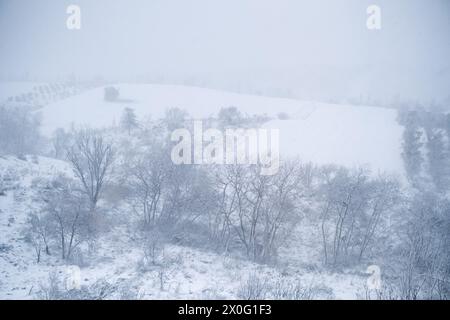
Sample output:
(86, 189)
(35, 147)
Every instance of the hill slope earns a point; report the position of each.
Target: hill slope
(188, 273)
(317, 132)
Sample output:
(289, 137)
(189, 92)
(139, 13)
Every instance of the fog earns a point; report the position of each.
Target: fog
(307, 49)
(224, 150)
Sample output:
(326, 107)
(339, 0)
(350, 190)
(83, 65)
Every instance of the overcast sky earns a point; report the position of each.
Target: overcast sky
(122, 38)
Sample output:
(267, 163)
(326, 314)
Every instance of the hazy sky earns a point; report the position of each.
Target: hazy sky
(129, 37)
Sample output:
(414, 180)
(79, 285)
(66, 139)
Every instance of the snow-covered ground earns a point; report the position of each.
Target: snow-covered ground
(189, 273)
(317, 132)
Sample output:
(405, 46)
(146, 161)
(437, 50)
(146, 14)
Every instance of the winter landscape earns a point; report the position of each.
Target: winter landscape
(108, 189)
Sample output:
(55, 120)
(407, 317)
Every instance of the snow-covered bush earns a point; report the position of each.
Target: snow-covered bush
(19, 131)
(5, 248)
(41, 183)
(129, 292)
(55, 289)
(153, 252)
(2, 185)
(111, 94)
(254, 288)
(61, 142)
(9, 179)
(230, 117)
(257, 287)
(283, 116)
(285, 289)
(174, 118)
(38, 233)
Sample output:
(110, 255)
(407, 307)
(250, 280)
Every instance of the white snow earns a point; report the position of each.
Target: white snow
(317, 132)
(344, 135)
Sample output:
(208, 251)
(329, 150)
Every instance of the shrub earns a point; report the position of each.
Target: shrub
(254, 288)
(111, 94)
(55, 289)
(283, 116)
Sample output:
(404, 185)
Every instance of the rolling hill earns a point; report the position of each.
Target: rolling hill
(317, 132)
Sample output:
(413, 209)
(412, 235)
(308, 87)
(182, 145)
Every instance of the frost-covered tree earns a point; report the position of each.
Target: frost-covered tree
(438, 158)
(128, 121)
(424, 270)
(352, 209)
(165, 195)
(147, 177)
(174, 118)
(19, 130)
(38, 233)
(63, 222)
(412, 144)
(254, 210)
(229, 117)
(61, 143)
(69, 210)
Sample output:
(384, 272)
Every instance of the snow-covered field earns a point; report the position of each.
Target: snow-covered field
(318, 132)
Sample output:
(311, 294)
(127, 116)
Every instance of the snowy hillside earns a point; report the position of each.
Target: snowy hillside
(317, 132)
(224, 150)
(146, 228)
(189, 273)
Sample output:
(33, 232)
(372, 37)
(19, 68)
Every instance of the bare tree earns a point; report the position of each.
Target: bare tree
(147, 178)
(68, 209)
(424, 271)
(352, 205)
(60, 142)
(384, 196)
(91, 158)
(38, 233)
(189, 196)
(256, 209)
(283, 206)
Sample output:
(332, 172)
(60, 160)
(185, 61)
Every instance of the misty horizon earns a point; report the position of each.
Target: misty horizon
(290, 48)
